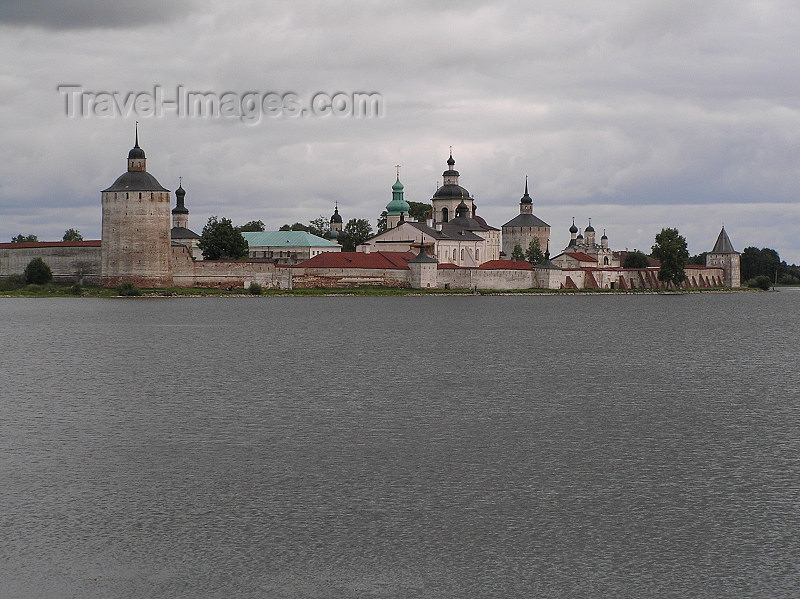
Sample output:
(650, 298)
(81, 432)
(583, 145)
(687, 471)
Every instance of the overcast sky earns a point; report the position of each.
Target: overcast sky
(639, 115)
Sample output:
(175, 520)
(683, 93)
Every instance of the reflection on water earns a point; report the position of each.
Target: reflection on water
(578, 446)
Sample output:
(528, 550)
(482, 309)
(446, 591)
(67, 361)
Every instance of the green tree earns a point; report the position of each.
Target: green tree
(319, 226)
(419, 211)
(534, 253)
(382, 226)
(38, 272)
(72, 235)
(670, 249)
(220, 241)
(699, 259)
(128, 289)
(635, 259)
(755, 262)
(254, 226)
(761, 282)
(24, 238)
(517, 254)
(294, 227)
(355, 232)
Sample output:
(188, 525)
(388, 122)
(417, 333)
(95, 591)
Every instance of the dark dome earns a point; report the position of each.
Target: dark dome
(180, 191)
(136, 181)
(336, 218)
(450, 161)
(451, 192)
(136, 152)
(573, 228)
(589, 229)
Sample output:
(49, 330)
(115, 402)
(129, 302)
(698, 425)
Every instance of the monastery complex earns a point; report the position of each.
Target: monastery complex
(148, 242)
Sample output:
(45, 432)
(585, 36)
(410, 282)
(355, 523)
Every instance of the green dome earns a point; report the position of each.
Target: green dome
(398, 205)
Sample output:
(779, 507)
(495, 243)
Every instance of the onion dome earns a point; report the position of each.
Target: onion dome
(180, 195)
(136, 151)
(526, 199)
(590, 228)
(450, 161)
(333, 234)
(604, 235)
(336, 218)
(464, 221)
(580, 236)
(573, 228)
(398, 206)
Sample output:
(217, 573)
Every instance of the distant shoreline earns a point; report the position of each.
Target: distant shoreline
(54, 291)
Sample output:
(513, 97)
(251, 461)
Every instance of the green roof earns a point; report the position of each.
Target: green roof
(285, 239)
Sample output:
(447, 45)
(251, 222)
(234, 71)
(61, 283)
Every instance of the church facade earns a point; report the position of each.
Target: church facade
(455, 234)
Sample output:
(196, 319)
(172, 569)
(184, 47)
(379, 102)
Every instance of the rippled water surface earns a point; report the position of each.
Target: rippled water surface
(583, 446)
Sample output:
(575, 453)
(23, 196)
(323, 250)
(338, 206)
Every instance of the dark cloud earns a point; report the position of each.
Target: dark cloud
(91, 14)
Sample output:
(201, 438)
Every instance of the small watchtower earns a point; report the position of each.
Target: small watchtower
(723, 255)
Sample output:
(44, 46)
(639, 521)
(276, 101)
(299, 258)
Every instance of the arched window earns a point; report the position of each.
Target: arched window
(454, 254)
(477, 255)
(445, 216)
(462, 253)
(605, 260)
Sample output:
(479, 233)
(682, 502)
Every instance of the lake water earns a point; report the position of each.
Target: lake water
(442, 447)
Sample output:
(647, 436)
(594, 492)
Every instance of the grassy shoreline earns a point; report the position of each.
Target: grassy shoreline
(67, 290)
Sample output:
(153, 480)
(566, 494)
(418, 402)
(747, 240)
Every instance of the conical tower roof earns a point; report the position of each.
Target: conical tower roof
(723, 245)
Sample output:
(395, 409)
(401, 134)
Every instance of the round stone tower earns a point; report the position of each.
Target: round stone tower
(136, 243)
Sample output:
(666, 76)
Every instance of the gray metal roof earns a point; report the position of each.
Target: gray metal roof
(723, 245)
(136, 181)
(449, 231)
(526, 220)
(422, 257)
(183, 233)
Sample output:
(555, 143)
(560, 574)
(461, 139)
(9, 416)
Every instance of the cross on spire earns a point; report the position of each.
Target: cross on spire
(136, 145)
(397, 169)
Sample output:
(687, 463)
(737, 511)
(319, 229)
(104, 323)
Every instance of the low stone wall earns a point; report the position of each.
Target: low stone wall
(348, 277)
(495, 279)
(69, 260)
